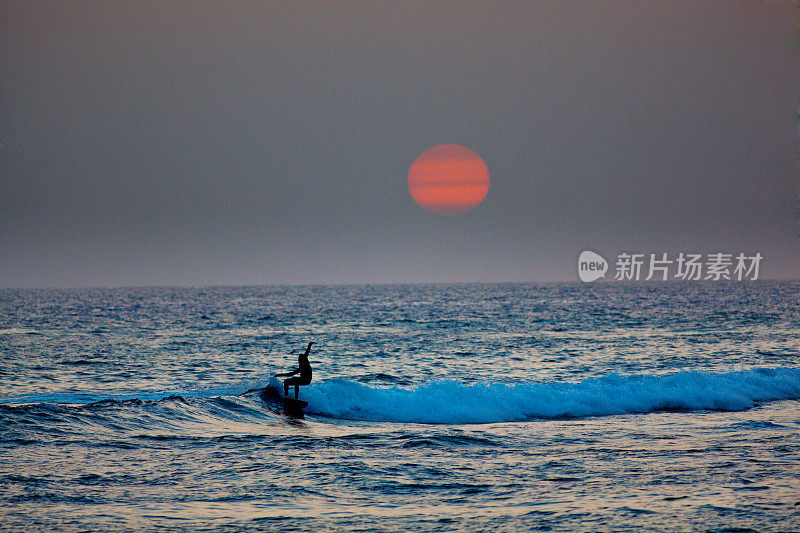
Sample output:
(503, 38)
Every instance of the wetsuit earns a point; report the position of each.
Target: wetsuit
(304, 369)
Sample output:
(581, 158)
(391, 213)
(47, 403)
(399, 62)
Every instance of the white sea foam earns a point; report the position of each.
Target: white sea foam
(450, 402)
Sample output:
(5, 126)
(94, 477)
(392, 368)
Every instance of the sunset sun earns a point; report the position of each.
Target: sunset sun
(448, 179)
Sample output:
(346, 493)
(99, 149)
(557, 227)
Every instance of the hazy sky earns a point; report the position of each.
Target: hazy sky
(191, 143)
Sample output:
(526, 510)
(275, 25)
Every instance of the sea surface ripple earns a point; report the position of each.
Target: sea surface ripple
(651, 406)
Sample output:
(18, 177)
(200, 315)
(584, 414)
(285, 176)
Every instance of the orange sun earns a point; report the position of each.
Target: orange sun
(448, 179)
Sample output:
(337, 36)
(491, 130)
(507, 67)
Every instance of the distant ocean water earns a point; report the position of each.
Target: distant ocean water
(651, 406)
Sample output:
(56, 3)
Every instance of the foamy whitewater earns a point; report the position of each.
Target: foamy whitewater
(652, 406)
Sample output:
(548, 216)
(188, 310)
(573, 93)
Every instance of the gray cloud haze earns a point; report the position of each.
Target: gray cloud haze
(180, 143)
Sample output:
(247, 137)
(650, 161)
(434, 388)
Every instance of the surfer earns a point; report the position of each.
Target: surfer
(304, 369)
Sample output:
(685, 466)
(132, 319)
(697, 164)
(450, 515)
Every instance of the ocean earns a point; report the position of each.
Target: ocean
(504, 407)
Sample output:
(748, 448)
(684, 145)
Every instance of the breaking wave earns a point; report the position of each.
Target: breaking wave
(448, 402)
(436, 402)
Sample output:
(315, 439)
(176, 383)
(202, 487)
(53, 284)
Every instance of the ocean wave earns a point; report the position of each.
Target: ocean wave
(435, 402)
(449, 402)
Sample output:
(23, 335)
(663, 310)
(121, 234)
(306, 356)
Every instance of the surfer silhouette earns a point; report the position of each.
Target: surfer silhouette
(304, 369)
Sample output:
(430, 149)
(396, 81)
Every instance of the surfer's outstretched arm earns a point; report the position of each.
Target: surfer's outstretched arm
(286, 374)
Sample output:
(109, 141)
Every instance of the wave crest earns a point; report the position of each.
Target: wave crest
(449, 402)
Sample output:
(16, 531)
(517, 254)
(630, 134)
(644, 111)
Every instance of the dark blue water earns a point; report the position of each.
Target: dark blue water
(433, 408)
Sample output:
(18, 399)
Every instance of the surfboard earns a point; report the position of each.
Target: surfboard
(291, 406)
(294, 407)
(294, 403)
